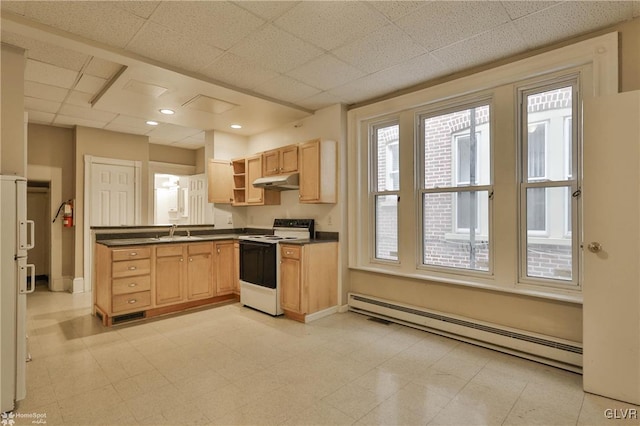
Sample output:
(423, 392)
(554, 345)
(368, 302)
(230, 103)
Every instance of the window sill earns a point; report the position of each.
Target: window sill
(569, 296)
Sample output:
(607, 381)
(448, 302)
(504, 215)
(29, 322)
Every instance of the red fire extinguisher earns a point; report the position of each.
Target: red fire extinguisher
(66, 208)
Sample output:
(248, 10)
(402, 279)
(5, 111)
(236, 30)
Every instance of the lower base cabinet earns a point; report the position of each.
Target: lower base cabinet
(143, 281)
(308, 278)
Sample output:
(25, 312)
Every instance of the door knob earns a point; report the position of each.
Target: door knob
(594, 247)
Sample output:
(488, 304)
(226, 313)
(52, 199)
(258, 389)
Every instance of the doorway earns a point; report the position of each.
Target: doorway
(38, 207)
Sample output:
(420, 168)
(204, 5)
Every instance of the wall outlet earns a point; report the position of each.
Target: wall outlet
(329, 220)
(230, 220)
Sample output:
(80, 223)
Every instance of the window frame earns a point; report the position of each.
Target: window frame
(437, 109)
(573, 184)
(375, 191)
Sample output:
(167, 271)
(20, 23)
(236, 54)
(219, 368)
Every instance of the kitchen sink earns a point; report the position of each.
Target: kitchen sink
(176, 238)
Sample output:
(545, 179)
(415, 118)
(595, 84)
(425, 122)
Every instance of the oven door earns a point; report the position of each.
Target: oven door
(258, 263)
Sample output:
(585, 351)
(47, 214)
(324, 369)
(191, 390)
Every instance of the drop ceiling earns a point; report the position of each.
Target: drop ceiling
(261, 64)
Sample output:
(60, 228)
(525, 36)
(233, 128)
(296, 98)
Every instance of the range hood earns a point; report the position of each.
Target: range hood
(278, 182)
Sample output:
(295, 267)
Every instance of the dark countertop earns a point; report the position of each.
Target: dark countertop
(121, 242)
(309, 241)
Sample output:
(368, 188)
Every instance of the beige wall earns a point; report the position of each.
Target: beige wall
(172, 154)
(13, 147)
(629, 55)
(54, 147)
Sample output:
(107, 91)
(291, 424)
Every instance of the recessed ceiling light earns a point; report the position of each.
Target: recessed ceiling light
(152, 123)
(167, 111)
(236, 126)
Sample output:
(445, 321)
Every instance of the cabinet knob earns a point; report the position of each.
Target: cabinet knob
(132, 301)
(191, 259)
(133, 285)
(218, 251)
(181, 260)
(132, 268)
(133, 253)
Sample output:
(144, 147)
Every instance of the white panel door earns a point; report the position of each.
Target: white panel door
(197, 198)
(112, 195)
(611, 202)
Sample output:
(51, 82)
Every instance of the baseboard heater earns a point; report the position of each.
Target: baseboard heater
(545, 349)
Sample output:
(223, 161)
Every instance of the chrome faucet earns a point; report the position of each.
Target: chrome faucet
(172, 230)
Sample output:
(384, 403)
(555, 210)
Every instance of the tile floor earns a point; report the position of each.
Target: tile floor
(232, 365)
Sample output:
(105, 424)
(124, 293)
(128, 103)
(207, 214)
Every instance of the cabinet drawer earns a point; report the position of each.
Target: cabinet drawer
(131, 253)
(169, 250)
(200, 248)
(131, 285)
(291, 252)
(130, 268)
(132, 301)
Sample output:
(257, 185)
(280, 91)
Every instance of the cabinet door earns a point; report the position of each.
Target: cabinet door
(271, 163)
(310, 171)
(290, 291)
(236, 267)
(224, 268)
(220, 182)
(199, 271)
(254, 171)
(169, 279)
(289, 159)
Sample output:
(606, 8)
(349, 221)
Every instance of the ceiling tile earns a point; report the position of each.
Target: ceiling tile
(165, 45)
(40, 117)
(636, 8)
(287, 89)
(95, 20)
(268, 10)
(330, 24)
(518, 9)
(65, 120)
(45, 52)
(17, 7)
(365, 88)
(172, 132)
(439, 24)
(49, 74)
(415, 71)
(87, 113)
(217, 23)
(132, 122)
(102, 68)
(237, 71)
(34, 104)
(187, 144)
(80, 99)
(44, 91)
(396, 9)
(325, 72)
(319, 101)
(381, 49)
(494, 44)
(276, 49)
(568, 19)
(125, 129)
(90, 84)
(143, 9)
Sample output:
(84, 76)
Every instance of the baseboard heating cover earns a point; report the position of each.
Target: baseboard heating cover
(549, 350)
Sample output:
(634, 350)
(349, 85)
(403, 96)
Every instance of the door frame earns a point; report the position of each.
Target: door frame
(170, 169)
(88, 238)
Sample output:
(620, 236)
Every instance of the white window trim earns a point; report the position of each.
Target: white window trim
(597, 58)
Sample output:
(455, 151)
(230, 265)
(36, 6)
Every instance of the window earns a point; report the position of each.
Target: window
(386, 189)
(455, 189)
(547, 187)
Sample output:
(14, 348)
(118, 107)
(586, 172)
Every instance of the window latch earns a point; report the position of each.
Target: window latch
(398, 198)
(491, 195)
(576, 193)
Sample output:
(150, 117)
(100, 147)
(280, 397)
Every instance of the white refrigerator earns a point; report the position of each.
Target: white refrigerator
(16, 237)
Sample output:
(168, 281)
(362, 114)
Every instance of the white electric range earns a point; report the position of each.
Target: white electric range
(260, 263)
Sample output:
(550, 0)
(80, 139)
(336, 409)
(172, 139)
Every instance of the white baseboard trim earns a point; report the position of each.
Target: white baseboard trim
(60, 284)
(321, 314)
(78, 285)
(343, 308)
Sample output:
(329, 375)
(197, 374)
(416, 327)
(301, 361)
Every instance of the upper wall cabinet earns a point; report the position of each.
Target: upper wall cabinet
(258, 196)
(318, 160)
(220, 182)
(280, 161)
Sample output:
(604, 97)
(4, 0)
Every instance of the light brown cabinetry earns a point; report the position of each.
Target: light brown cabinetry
(258, 196)
(280, 161)
(239, 167)
(318, 171)
(220, 179)
(308, 278)
(143, 281)
(224, 275)
(236, 267)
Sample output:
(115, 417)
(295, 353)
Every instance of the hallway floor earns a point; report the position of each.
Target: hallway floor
(232, 365)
